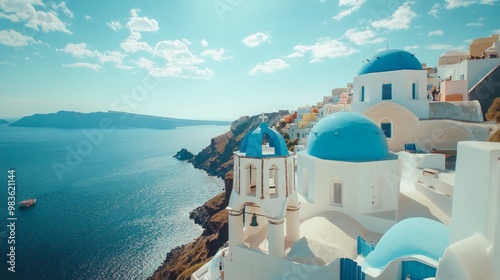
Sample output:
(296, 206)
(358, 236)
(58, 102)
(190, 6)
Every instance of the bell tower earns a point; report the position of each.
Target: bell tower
(263, 207)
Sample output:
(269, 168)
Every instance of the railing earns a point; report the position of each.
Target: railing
(364, 248)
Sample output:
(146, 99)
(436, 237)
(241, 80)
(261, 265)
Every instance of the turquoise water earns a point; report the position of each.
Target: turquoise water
(119, 204)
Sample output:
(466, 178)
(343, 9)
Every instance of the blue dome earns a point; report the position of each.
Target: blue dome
(347, 136)
(252, 142)
(390, 60)
(413, 236)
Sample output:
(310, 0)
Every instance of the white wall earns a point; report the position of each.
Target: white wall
(401, 90)
(246, 264)
(357, 180)
(478, 68)
(384, 176)
(454, 87)
(472, 70)
(475, 205)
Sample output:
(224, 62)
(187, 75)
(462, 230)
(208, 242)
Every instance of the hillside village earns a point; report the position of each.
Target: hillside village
(367, 192)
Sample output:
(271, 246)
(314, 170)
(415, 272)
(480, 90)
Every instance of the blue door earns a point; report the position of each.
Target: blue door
(417, 270)
(350, 270)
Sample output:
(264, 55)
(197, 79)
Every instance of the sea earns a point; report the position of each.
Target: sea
(110, 203)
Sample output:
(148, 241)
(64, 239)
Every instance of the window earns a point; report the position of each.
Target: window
(251, 172)
(413, 91)
(273, 181)
(362, 93)
(387, 129)
(336, 194)
(462, 77)
(386, 91)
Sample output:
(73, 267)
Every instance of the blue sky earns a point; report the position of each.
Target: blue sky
(213, 59)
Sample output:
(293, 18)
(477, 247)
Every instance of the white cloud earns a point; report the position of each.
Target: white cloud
(95, 67)
(115, 25)
(78, 50)
(47, 22)
(270, 66)
(62, 6)
(323, 48)
(496, 31)
(434, 10)
(354, 5)
(24, 11)
(400, 19)
(132, 43)
(136, 25)
(176, 52)
(204, 42)
(81, 50)
(87, 17)
(144, 24)
(451, 4)
(216, 54)
(362, 37)
(172, 70)
(439, 47)
(407, 48)
(475, 23)
(18, 10)
(256, 39)
(114, 57)
(436, 32)
(13, 38)
(132, 46)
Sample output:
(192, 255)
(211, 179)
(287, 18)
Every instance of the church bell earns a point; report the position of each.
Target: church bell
(254, 223)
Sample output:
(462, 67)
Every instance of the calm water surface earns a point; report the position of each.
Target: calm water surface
(118, 205)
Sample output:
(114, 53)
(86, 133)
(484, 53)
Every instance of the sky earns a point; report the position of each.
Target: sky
(212, 59)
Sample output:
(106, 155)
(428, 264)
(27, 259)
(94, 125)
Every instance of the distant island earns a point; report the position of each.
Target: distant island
(111, 119)
(3, 121)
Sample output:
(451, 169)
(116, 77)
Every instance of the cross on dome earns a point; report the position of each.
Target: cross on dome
(263, 117)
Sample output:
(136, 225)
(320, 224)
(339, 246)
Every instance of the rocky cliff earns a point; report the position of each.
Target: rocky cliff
(216, 160)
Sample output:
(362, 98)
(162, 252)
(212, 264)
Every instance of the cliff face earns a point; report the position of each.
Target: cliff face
(217, 158)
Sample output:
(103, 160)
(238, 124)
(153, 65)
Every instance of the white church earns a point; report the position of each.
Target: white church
(350, 207)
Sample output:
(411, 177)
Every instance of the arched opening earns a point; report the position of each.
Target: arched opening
(273, 181)
(386, 126)
(250, 179)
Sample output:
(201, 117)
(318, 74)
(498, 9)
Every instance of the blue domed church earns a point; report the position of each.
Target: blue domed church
(348, 168)
(393, 76)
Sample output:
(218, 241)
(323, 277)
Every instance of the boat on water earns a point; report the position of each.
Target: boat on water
(27, 203)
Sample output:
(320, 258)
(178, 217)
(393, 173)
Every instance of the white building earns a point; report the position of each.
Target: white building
(353, 151)
(354, 210)
(421, 220)
(392, 75)
(391, 89)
